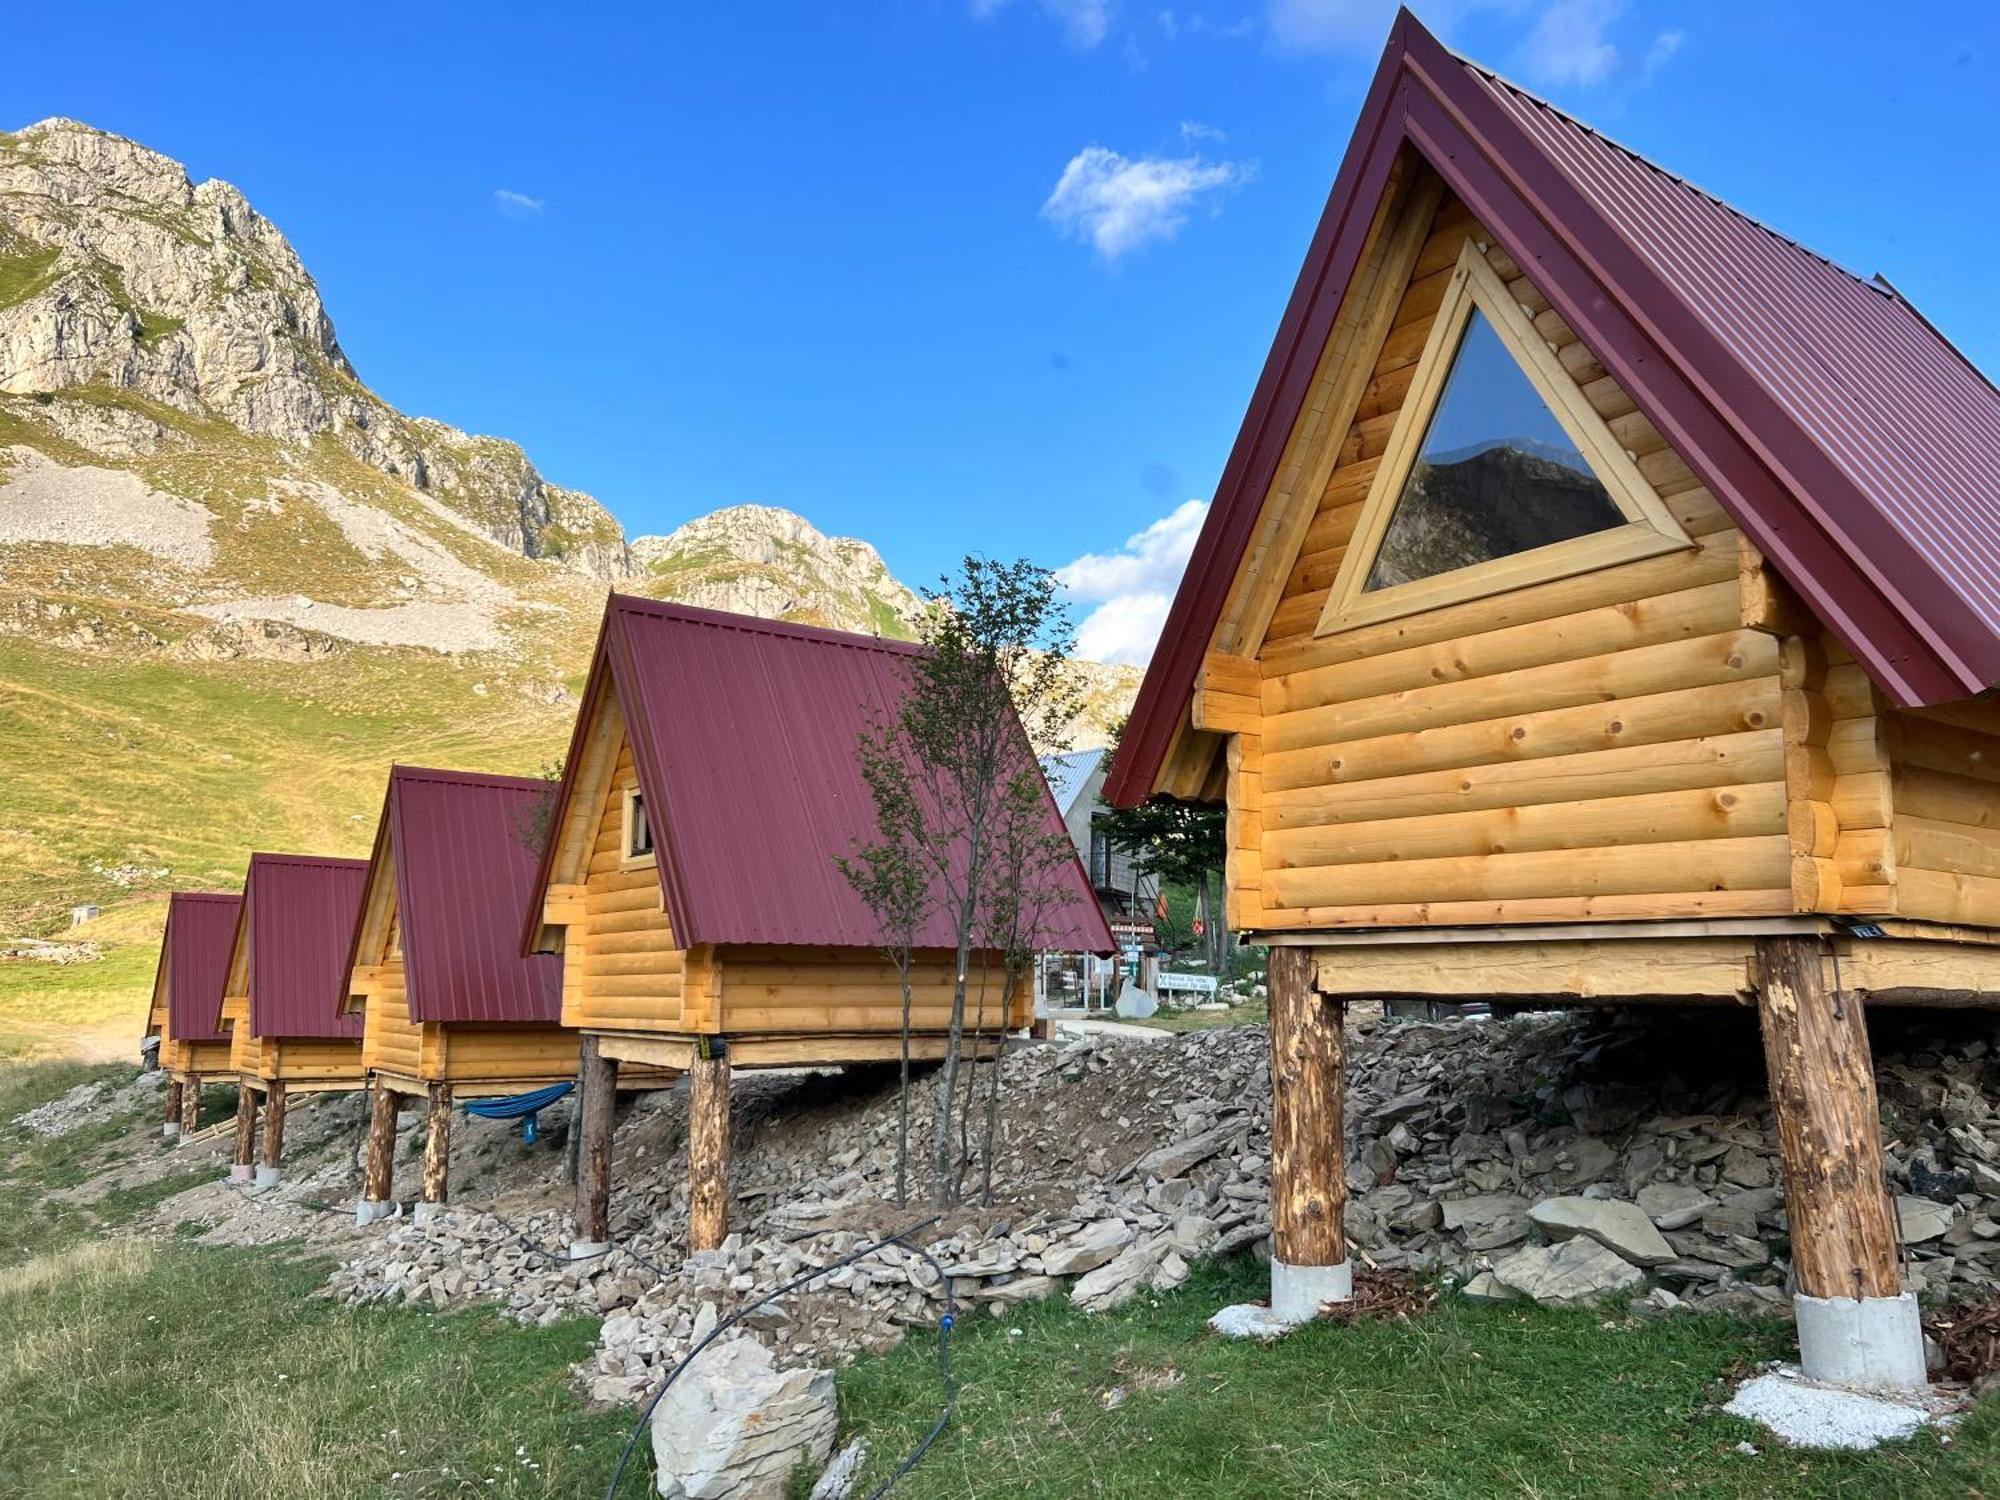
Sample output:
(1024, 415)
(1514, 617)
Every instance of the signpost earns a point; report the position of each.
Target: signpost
(1191, 984)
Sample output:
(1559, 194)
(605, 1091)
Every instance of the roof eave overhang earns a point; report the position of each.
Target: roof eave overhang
(1859, 575)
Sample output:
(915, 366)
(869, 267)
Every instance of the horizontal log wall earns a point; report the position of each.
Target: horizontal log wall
(300, 1057)
(1945, 828)
(621, 967)
(1606, 745)
(390, 1041)
(475, 1052)
(852, 990)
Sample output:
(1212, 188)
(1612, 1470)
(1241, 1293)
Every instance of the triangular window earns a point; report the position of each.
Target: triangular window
(1498, 474)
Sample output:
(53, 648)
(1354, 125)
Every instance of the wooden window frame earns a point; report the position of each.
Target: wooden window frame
(632, 797)
(1649, 530)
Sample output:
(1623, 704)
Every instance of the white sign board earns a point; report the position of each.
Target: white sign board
(1195, 984)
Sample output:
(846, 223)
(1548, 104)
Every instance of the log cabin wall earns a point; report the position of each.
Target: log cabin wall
(621, 968)
(390, 1040)
(1944, 844)
(841, 990)
(1610, 744)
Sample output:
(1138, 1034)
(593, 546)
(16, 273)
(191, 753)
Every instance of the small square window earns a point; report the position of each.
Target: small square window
(638, 831)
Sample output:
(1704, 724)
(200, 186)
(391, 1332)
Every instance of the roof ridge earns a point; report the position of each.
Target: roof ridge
(722, 619)
(1671, 175)
(496, 779)
(269, 857)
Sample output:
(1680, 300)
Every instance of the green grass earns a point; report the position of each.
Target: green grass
(1469, 1401)
(44, 1007)
(133, 1369)
(24, 274)
(34, 1168)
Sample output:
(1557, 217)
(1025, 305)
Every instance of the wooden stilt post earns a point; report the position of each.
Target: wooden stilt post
(191, 1106)
(599, 1077)
(1856, 1326)
(378, 1179)
(172, 1125)
(1308, 1161)
(437, 1146)
(246, 1134)
(708, 1146)
(274, 1133)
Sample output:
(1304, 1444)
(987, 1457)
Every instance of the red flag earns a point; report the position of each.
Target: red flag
(1160, 910)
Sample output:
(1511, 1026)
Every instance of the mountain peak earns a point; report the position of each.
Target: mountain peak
(764, 560)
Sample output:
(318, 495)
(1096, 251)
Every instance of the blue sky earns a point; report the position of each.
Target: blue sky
(949, 275)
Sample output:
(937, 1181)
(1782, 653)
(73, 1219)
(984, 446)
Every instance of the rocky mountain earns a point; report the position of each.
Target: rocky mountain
(758, 560)
(235, 583)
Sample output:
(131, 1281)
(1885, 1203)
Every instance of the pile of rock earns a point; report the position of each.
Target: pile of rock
(1558, 1157)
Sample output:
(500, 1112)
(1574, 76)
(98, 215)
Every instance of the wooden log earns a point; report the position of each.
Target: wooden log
(274, 1123)
(437, 1145)
(1308, 1158)
(246, 1126)
(379, 1176)
(708, 1147)
(1822, 1083)
(176, 1091)
(191, 1105)
(597, 1078)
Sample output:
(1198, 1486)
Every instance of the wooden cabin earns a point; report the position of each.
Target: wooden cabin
(453, 1009)
(1600, 603)
(285, 999)
(186, 1009)
(690, 878)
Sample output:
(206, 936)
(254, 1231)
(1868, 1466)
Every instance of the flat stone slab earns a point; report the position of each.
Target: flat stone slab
(1572, 1274)
(1805, 1415)
(1250, 1320)
(1620, 1227)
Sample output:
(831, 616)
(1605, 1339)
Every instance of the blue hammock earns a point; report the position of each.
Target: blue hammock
(522, 1107)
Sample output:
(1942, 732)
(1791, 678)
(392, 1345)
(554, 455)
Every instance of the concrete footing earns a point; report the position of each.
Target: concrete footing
(170, 1131)
(267, 1177)
(588, 1249)
(239, 1174)
(1298, 1291)
(425, 1211)
(1861, 1343)
(368, 1210)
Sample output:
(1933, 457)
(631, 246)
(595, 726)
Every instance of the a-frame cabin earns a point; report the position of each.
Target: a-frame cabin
(186, 1009)
(453, 1009)
(285, 999)
(1600, 603)
(691, 879)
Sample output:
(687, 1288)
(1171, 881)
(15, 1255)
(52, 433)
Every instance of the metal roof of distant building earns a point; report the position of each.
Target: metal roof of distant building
(1855, 446)
(746, 736)
(194, 956)
(1068, 774)
(463, 849)
(298, 918)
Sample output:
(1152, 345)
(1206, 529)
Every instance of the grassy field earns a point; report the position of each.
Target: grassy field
(1468, 1401)
(151, 1367)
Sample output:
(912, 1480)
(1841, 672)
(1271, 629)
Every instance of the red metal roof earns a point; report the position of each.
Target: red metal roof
(194, 956)
(745, 734)
(1855, 446)
(299, 912)
(464, 861)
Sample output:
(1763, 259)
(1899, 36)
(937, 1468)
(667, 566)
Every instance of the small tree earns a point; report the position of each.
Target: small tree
(948, 767)
(890, 877)
(1182, 842)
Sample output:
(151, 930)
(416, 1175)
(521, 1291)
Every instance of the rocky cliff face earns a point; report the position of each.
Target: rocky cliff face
(758, 560)
(120, 275)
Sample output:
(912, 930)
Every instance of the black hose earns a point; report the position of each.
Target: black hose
(944, 1355)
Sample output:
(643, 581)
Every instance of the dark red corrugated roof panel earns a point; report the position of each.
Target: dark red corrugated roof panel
(746, 735)
(1904, 417)
(299, 912)
(194, 952)
(465, 859)
(1854, 445)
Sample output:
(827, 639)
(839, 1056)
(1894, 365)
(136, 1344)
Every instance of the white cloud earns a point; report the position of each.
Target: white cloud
(1334, 25)
(1193, 131)
(1084, 22)
(517, 205)
(1119, 203)
(1665, 45)
(1569, 42)
(1131, 588)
